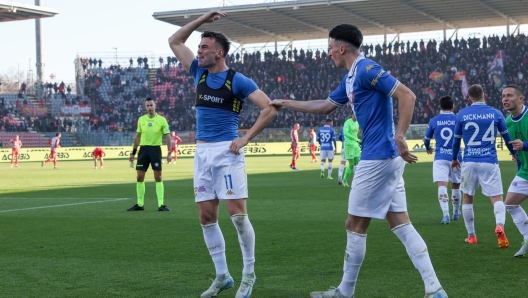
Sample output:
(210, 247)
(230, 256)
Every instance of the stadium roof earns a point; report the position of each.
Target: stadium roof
(12, 11)
(312, 19)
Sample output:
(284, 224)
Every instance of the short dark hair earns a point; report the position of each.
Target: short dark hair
(149, 99)
(312, 127)
(347, 33)
(517, 88)
(57, 134)
(220, 39)
(476, 92)
(446, 102)
(328, 120)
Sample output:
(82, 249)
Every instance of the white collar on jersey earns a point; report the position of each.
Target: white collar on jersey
(446, 112)
(479, 103)
(352, 71)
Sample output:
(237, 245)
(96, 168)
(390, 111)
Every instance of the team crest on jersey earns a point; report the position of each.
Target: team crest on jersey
(150, 124)
(369, 67)
(230, 192)
(351, 97)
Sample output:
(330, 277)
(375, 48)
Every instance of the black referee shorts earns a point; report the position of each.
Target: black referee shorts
(149, 155)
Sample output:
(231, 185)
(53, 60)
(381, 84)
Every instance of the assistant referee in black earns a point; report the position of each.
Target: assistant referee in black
(151, 128)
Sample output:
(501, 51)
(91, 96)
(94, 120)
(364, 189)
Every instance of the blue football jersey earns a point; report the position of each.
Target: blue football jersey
(369, 89)
(442, 127)
(477, 125)
(326, 137)
(213, 124)
(341, 137)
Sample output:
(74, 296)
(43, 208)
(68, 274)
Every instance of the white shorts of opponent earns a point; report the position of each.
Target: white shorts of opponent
(486, 174)
(324, 154)
(519, 185)
(378, 188)
(442, 172)
(218, 173)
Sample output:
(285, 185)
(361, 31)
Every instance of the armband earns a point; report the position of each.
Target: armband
(134, 151)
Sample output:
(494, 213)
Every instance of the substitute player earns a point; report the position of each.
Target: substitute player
(352, 148)
(312, 138)
(517, 123)
(151, 129)
(442, 127)
(98, 152)
(478, 125)
(377, 188)
(327, 142)
(219, 164)
(295, 146)
(54, 143)
(16, 144)
(175, 141)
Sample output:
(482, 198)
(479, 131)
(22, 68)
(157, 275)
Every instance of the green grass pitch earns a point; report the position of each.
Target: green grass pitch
(66, 233)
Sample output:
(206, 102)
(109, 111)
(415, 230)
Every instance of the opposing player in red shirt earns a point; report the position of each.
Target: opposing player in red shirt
(295, 146)
(54, 143)
(312, 138)
(98, 153)
(16, 143)
(175, 140)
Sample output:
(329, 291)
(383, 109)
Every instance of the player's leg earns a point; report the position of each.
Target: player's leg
(142, 166)
(155, 157)
(469, 171)
(456, 196)
(441, 171)
(330, 159)
(175, 156)
(95, 161)
(12, 157)
(491, 183)
(16, 159)
(101, 161)
(322, 156)
(342, 165)
(517, 193)
(55, 160)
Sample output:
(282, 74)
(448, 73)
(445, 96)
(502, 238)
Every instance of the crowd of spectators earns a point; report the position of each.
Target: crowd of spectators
(307, 75)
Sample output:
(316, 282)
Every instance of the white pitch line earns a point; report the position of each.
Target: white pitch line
(64, 205)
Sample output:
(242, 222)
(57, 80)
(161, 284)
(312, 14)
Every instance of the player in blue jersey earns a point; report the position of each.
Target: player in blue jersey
(442, 127)
(342, 164)
(327, 142)
(377, 187)
(219, 164)
(478, 125)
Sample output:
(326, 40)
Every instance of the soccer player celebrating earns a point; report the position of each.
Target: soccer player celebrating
(54, 143)
(312, 137)
(98, 152)
(352, 150)
(377, 188)
(219, 164)
(517, 123)
(442, 127)
(175, 141)
(151, 128)
(478, 125)
(295, 146)
(16, 144)
(327, 142)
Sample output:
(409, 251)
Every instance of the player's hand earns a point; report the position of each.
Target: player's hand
(169, 157)
(131, 158)
(455, 165)
(213, 15)
(517, 144)
(237, 144)
(277, 103)
(430, 151)
(335, 151)
(403, 150)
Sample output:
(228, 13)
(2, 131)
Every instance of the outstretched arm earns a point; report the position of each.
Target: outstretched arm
(321, 106)
(177, 41)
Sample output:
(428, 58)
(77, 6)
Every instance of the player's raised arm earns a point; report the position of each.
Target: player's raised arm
(177, 40)
(267, 114)
(406, 99)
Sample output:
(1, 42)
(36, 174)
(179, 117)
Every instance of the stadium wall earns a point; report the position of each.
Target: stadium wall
(123, 152)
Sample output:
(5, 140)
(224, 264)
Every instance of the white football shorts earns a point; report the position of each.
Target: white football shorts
(442, 172)
(378, 188)
(218, 173)
(486, 174)
(324, 154)
(519, 185)
(343, 155)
